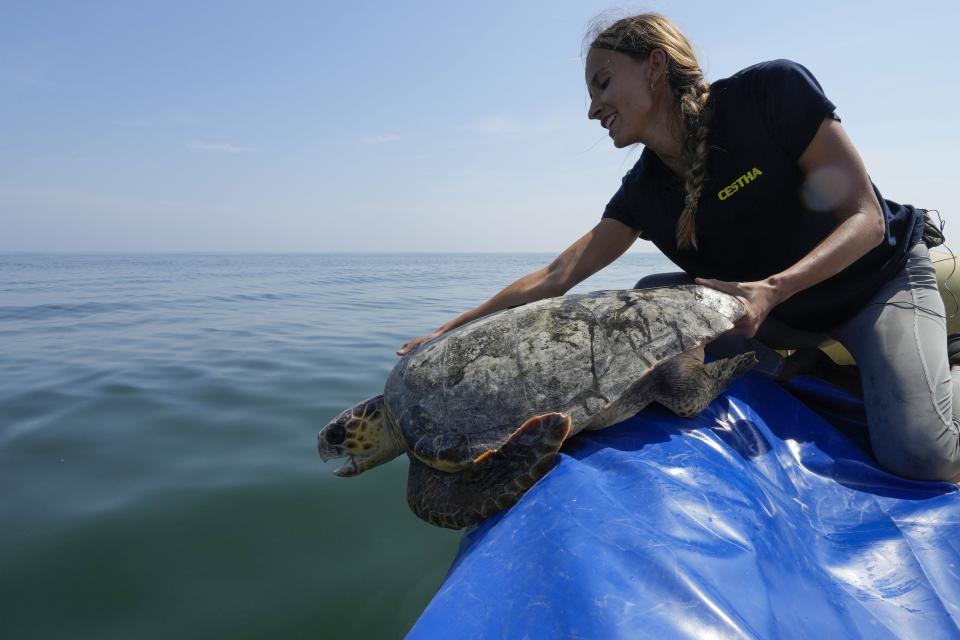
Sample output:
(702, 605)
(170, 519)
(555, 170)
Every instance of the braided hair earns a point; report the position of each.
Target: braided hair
(638, 36)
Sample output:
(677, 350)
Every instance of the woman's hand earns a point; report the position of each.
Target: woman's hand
(416, 342)
(758, 298)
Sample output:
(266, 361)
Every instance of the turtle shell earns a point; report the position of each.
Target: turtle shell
(465, 393)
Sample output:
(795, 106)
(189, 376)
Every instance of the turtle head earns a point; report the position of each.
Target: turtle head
(361, 435)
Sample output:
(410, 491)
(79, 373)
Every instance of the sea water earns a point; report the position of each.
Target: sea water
(158, 418)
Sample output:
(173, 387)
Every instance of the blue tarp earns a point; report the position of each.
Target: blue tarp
(756, 519)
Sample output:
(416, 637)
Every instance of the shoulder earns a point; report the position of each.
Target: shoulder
(779, 89)
(642, 171)
(772, 75)
(765, 73)
(783, 97)
(639, 198)
(780, 65)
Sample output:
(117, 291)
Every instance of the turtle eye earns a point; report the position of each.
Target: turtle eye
(335, 434)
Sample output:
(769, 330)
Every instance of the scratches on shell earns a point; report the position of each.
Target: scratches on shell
(578, 354)
(521, 373)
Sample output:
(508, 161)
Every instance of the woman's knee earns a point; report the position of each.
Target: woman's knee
(922, 460)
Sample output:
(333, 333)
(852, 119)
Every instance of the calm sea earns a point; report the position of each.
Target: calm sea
(158, 417)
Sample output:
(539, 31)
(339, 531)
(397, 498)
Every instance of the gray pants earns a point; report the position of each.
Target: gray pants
(899, 342)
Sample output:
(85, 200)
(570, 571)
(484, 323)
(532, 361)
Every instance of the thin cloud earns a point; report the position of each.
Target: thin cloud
(215, 147)
(380, 139)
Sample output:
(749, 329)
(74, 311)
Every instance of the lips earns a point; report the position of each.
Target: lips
(608, 121)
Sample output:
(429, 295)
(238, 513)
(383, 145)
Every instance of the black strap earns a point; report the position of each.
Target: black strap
(932, 232)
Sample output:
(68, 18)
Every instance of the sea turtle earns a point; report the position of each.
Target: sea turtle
(482, 410)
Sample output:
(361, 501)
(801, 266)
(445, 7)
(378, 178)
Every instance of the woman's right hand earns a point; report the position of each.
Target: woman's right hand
(416, 342)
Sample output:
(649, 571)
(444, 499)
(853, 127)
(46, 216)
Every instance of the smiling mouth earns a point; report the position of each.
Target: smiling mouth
(608, 121)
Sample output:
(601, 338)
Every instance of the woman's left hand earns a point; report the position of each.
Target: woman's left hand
(758, 299)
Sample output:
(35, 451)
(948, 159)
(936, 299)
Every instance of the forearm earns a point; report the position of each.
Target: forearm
(857, 208)
(596, 249)
(851, 240)
(861, 227)
(540, 284)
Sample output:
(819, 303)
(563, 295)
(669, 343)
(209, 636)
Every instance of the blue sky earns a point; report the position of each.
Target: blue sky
(388, 126)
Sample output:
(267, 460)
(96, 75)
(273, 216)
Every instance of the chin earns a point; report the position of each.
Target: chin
(621, 141)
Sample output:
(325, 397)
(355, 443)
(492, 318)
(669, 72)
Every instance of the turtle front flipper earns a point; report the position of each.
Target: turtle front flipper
(686, 385)
(495, 481)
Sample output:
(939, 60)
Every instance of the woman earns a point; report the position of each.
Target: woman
(751, 186)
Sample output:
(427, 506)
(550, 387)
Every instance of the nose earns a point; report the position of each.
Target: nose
(326, 450)
(593, 112)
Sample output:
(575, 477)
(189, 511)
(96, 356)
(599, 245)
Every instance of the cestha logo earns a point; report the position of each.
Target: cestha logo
(742, 181)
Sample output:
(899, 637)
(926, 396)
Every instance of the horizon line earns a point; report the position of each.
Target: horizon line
(266, 252)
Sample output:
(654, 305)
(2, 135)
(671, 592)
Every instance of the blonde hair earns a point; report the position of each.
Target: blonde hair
(638, 36)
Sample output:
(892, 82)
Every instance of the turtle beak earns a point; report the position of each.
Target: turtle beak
(329, 451)
(326, 450)
(348, 469)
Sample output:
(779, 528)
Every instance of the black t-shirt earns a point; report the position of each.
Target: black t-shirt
(752, 218)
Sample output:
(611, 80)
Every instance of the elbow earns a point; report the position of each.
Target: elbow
(556, 280)
(554, 285)
(868, 224)
(878, 227)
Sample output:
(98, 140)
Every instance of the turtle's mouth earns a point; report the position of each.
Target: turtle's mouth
(348, 468)
(329, 451)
